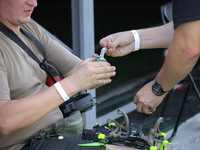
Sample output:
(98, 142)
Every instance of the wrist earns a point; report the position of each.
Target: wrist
(157, 89)
(61, 91)
(73, 88)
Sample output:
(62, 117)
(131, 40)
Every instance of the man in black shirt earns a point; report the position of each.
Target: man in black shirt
(182, 36)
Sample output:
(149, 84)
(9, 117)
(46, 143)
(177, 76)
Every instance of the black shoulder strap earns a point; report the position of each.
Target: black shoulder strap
(43, 65)
(39, 45)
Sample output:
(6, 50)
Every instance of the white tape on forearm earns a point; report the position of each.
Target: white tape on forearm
(61, 91)
(137, 40)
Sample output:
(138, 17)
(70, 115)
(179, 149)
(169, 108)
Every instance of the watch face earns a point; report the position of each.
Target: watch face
(157, 89)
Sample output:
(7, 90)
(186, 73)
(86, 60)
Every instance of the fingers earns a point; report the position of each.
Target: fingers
(104, 69)
(103, 76)
(98, 73)
(114, 46)
(115, 43)
(94, 55)
(89, 74)
(94, 63)
(110, 51)
(146, 100)
(135, 99)
(110, 43)
(104, 41)
(141, 107)
(99, 67)
(147, 110)
(102, 79)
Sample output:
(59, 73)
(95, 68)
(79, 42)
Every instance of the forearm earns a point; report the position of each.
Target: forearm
(16, 114)
(182, 55)
(157, 37)
(176, 67)
(20, 113)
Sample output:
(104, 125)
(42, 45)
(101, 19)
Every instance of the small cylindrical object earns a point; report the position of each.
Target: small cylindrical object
(101, 56)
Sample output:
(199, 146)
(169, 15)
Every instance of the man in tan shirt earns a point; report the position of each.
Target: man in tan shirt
(27, 105)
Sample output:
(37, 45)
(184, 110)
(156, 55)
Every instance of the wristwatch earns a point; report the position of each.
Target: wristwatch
(157, 89)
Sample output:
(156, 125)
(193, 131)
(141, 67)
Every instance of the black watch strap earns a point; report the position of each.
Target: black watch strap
(157, 89)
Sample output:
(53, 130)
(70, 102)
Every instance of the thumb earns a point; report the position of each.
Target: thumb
(89, 60)
(115, 43)
(94, 55)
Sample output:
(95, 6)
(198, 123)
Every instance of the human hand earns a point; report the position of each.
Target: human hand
(146, 100)
(94, 55)
(91, 74)
(118, 44)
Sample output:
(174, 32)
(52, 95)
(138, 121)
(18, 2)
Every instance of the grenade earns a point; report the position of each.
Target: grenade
(101, 56)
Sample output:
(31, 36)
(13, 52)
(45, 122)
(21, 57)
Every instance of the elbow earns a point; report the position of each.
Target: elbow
(4, 132)
(192, 53)
(4, 127)
(7, 122)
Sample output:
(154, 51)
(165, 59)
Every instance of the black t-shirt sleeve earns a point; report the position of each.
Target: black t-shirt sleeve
(185, 11)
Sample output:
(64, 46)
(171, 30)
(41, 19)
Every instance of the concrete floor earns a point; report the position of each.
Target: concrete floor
(187, 136)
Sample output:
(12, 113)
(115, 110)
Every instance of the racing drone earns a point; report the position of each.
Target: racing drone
(132, 136)
(123, 134)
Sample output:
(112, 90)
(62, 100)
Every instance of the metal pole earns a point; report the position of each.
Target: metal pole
(83, 42)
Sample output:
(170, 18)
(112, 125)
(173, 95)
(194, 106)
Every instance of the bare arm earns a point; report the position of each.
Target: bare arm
(123, 43)
(183, 54)
(74, 69)
(157, 37)
(20, 113)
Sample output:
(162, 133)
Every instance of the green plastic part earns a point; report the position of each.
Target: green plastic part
(101, 136)
(111, 124)
(164, 145)
(92, 144)
(163, 134)
(153, 148)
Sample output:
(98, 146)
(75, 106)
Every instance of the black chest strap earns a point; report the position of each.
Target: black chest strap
(46, 61)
